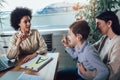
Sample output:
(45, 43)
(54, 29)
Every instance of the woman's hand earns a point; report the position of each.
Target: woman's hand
(21, 37)
(29, 57)
(82, 69)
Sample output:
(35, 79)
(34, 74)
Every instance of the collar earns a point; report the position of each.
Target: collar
(20, 32)
(79, 50)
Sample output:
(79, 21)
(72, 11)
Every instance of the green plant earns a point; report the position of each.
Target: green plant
(89, 11)
(110, 5)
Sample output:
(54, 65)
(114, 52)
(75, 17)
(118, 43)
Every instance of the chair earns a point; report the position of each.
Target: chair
(48, 40)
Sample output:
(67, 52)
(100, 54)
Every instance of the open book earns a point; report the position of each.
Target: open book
(37, 63)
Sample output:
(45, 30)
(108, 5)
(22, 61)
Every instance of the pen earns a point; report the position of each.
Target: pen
(38, 60)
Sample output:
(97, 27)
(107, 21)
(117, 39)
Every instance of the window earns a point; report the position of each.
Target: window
(58, 7)
(50, 14)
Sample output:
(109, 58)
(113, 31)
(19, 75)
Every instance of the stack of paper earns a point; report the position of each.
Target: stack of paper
(37, 63)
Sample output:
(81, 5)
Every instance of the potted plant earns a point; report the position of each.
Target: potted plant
(88, 12)
(108, 5)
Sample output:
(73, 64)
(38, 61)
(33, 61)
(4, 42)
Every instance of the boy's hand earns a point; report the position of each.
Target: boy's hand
(65, 41)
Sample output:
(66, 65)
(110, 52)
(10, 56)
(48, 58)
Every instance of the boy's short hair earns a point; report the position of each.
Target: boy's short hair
(80, 27)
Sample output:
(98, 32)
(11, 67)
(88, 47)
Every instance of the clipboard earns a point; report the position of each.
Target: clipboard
(37, 63)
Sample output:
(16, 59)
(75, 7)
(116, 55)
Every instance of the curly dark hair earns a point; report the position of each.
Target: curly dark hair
(17, 14)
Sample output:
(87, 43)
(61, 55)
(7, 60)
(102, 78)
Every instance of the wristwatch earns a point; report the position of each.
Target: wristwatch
(37, 53)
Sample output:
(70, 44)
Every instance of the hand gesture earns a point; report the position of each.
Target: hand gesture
(65, 41)
(21, 37)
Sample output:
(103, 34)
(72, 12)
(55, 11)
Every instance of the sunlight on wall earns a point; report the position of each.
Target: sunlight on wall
(34, 4)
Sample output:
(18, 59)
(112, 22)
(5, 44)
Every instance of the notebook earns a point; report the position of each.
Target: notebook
(37, 63)
(5, 63)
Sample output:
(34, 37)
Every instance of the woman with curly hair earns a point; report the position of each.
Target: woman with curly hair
(25, 42)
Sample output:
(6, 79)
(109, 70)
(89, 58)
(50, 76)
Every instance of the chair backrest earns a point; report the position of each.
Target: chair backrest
(48, 40)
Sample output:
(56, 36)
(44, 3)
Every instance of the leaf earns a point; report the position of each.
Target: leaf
(116, 10)
(119, 4)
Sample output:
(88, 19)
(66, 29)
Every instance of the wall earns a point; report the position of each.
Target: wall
(42, 21)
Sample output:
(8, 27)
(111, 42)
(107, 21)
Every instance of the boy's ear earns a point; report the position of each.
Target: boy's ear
(79, 37)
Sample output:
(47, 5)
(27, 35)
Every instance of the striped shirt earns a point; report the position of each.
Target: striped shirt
(33, 43)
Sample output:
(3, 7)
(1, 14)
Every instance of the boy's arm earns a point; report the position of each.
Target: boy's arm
(99, 72)
(71, 52)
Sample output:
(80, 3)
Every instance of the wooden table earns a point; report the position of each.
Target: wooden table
(48, 72)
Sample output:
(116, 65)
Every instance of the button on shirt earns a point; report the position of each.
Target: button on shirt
(88, 56)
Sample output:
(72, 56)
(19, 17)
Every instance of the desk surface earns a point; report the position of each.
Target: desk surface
(48, 72)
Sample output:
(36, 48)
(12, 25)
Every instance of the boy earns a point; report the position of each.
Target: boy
(77, 46)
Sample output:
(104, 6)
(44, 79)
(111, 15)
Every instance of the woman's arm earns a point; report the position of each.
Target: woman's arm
(42, 45)
(13, 49)
(113, 62)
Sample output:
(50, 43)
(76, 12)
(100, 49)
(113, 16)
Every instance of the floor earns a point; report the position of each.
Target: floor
(66, 61)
